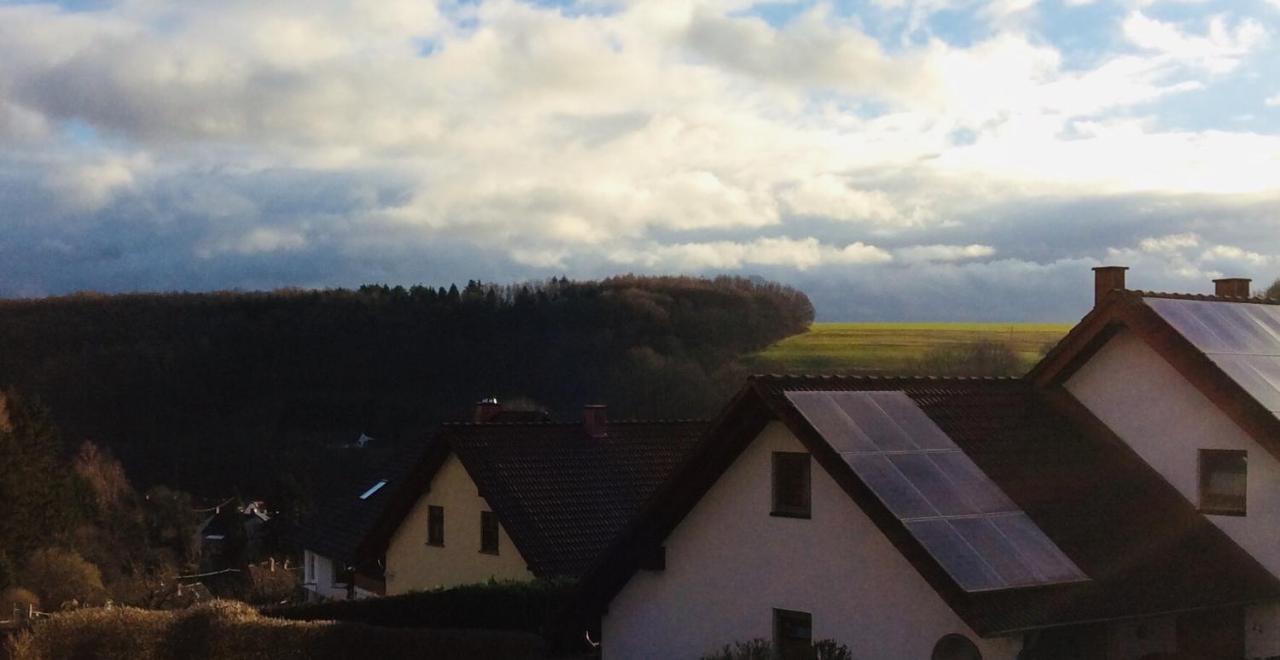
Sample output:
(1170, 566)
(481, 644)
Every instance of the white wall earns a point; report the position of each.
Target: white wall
(1166, 420)
(729, 563)
(321, 581)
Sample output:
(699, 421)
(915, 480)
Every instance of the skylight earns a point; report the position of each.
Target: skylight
(960, 516)
(373, 489)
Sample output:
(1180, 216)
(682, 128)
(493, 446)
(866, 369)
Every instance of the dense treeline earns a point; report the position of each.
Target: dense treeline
(210, 392)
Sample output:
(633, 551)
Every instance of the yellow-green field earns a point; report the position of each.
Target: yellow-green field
(894, 347)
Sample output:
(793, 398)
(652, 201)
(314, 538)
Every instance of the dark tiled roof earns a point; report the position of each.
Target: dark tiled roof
(342, 520)
(1145, 549)
(563, 496)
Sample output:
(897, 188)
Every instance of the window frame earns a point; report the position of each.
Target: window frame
(782, 510)
(435, 525)
(1221, 507)
(489, 521)
(782, 651)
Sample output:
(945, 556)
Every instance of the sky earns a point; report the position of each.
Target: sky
(897, 160)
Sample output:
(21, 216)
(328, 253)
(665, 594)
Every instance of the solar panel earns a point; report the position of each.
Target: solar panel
(961, 517)
(1243, 339)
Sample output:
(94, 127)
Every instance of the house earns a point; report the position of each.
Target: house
(518, 500)
(1119, 502)
(509, 495)
(332, 562)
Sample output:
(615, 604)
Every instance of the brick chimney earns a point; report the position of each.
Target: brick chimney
(1232, 287)
(485, 411)
(595, 421)
(1105, 279)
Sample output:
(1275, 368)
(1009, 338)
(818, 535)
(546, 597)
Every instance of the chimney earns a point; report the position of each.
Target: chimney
(1105, 279)
(1232, 287)
(486, 410)
(595, 421)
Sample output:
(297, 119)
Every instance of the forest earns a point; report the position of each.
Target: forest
(261, 394)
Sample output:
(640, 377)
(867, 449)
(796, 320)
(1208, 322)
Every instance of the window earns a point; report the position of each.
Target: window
(1223, 481)
(955, 647)
(435, 525)
(792, 634)
(488, 532)
(311, 567)
(790, 484)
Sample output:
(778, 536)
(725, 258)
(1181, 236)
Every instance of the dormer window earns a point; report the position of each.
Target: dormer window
(1223, 481)
(790, 484)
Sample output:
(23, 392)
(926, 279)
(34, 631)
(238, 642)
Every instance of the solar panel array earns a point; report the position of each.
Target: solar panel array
(960, 516)
(1243, 339)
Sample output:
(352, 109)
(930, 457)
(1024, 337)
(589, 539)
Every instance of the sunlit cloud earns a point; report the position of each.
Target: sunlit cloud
(243, 144)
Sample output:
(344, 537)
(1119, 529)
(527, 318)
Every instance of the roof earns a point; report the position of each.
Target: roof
(1228, 348)
(343, 520)
(1144, 548)
(561, 495)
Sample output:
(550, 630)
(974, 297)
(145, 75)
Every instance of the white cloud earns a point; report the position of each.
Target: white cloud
(654, 134)
(942, 253)
(800, 254)
(1169, 243)
(1273, 101)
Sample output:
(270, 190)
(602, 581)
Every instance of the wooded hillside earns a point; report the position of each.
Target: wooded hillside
(208, 392)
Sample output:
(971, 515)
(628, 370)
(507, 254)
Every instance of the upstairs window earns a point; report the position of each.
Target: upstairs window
(792, 635)
(488, 532)
(790, 484)
(435, 525)
(1223, 481)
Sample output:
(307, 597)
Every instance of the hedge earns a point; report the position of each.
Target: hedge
(231, 630)
(525, 606)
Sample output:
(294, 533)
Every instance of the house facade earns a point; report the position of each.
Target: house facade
(1119, 502)
(451, 536)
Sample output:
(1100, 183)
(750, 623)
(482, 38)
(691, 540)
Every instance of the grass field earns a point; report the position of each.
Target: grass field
(890, 348)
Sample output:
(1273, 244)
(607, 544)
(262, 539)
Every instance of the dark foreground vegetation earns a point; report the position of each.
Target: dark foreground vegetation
(257, 392)
(532, 607)
(226, 630)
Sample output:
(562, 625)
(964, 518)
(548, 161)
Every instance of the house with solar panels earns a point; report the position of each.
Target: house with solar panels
(1121, 501)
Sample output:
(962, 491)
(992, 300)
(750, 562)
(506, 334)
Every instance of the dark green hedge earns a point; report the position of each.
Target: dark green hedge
(524, 606)
(227, 630)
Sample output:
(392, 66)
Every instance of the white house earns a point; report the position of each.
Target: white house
(1097, 509)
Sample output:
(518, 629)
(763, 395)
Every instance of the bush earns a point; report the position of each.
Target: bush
(761, 649)
(228, 629)
(983, 358)
(16, 598)
(526, 606)
(59, 576)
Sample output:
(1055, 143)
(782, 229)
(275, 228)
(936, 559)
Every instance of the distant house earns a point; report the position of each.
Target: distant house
(507, 496)
(1120, 502)
(333, 562)
(519, 500)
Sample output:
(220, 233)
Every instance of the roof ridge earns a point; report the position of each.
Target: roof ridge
(1204, 296)
(611, 422)
(873, 378)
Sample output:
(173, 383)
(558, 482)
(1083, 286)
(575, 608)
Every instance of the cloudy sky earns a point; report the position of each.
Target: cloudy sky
(896, 159)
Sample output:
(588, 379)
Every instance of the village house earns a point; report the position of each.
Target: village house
(507, 496)
(1122, 501)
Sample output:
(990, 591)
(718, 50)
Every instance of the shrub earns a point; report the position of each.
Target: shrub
(16, 597)
(220, 630)
(59, 576)
(983, 358)
(527, 606)
(761, 649)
